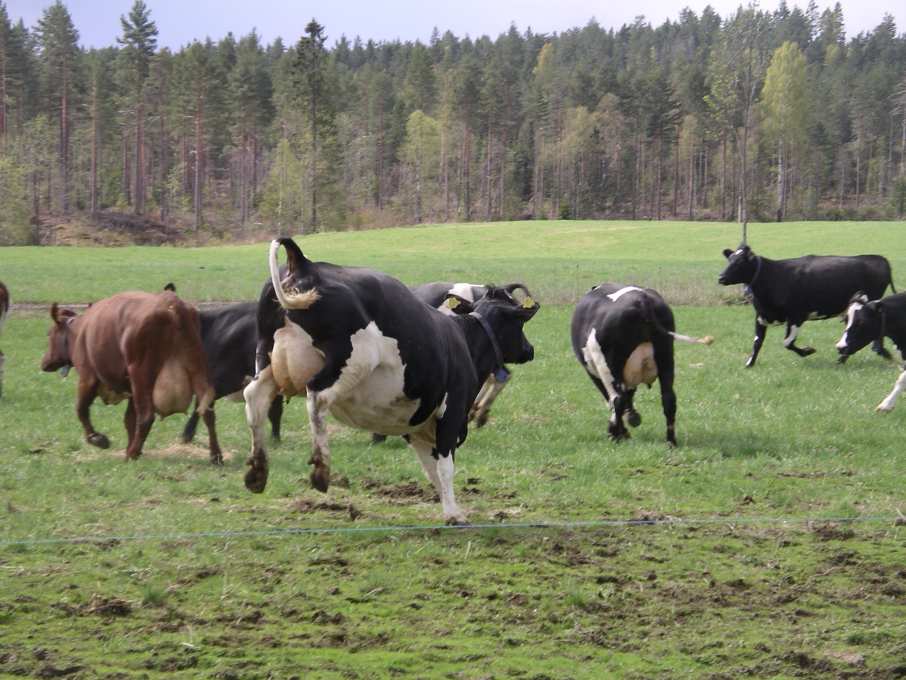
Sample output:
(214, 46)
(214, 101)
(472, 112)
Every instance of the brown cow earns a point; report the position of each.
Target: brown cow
(141, 346)
(4, 310)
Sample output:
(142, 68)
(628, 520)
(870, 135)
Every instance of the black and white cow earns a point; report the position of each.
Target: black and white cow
(871, 321)
(358, 343)
(623, 337)
(460, 298)
(803, 288)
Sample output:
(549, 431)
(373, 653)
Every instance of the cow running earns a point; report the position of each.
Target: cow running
(623, 337)
(872, 321)
(803, 288)
(358, 343)
(142, 347)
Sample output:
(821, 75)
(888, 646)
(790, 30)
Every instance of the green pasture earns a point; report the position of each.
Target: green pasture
(560, 260)
(771, 582)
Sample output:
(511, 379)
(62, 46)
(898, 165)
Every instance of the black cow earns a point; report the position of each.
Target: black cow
(229, 335)
(358, 343)
(623, 337)
(803, 288)
(870, 321)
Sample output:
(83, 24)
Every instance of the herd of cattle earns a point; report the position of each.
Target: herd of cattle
(419, 363)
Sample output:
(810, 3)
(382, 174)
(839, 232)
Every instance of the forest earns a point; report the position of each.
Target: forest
(761, 115)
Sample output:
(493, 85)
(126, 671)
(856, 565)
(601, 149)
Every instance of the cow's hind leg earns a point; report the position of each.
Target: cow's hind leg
(425, 452)
(141, 379)
(129, 422)
(632, 416)
(88, 390)
(258, 395)
(891, 399)
(210, 422)
(663, 357)
(188, 432)
(789, 340)
(320, 451)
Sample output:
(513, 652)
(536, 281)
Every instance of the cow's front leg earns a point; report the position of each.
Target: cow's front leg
(488, 395)
(258, 396)
(320, 451)
(615, 426)
(789, 340)
(141, 380)
(275, 415)
(891, 399)
(760, 331)
(188, 432)
(88, 390)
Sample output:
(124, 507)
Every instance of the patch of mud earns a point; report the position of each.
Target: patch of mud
(832, 531)
(306, 506)
(404, 491)
(99, 605)
(176, 450)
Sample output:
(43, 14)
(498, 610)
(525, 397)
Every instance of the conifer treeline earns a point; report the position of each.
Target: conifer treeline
(759, 115)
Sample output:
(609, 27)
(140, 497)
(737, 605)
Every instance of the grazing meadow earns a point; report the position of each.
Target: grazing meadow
(770, 543)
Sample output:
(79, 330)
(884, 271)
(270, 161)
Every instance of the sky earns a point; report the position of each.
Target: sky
(181, 21)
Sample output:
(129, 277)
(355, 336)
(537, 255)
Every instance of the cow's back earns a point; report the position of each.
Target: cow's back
(826, 283)
(229, 336)
(133, 327)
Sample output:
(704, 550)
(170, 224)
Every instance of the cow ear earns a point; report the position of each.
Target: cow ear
(171, 287)
(457, 304)
(727, 253)
(55, 313)
(295, 260)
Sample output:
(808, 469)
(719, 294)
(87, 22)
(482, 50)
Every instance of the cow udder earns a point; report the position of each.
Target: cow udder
(640, 367)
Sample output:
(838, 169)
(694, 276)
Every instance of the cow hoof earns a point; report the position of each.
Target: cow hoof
(217, 458)
(619, 436)
(842, 359)
(750, 362)
(482, 420)
(633, 418)
(256, 477)
(884, 408)
(456, 520)
(320, 478)
(807, 351)
(99, 440)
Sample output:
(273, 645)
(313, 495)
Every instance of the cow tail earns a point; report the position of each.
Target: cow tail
(290, 299)
(651, 317)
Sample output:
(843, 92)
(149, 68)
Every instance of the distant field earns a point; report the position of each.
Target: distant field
(559, 260)
(764, 586)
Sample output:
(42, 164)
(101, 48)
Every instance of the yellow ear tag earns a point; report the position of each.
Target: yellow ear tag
(452, 302)
(528, 303)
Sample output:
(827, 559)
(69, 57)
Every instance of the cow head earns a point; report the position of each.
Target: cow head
(506, 316)
(57, 357)
(864, 323)
(742, 264)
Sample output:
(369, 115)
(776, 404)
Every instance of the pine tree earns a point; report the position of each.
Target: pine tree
(139, 40)
(59, 55)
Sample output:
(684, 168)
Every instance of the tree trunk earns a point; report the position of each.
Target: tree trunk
(723, 176)
(467, 172)
(487, 178)
(93, 176)
(676, 152)
(127, 176)
(164, 169)
(199, 177)
(64, 148)
(139, 198)
(313, 166)
(780, 180)
(445, 173)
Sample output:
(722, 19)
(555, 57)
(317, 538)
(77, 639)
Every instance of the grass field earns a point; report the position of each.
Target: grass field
(757, 583)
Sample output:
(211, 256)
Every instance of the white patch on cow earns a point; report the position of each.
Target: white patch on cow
(850, 315)
(318, 427)
(596, 364)
(445, 470)
(765, 322)
(791, 336)
(463, 290)
(891, 399)
(424, 450)
(620, 293)
(442, 409)
(369, 392)
(738, 251)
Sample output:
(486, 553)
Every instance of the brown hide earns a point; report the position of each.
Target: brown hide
(143, 346)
